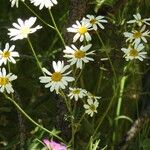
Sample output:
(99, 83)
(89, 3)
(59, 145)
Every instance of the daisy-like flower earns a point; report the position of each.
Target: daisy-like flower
(78, 56)
(7, 54)
(91, 96)
(44, 3)
(138, 19)
(22, 29)
(81, 29)
(137, 36)
(52, 145)
(91, 107)
(77, 93)
(5, 81)
(134, 52)
(15, 2)
(58, 79)
(95, 21)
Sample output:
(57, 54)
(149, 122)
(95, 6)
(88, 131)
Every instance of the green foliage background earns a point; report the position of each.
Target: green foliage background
(39, 103)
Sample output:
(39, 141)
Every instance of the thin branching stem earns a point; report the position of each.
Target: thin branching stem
(29, 118)
(56, 28)
(111, 64)
(38, 16)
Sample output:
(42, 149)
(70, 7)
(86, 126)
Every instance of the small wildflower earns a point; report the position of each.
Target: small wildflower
(138, 19)
(58, 79)
(137, 36)
(22, 29)
(7, 54)
(95, 21)
(15, 2)
(52, 145)
(81, 29)
(78, 56)
(77, 93)
(91, 107)
(91, 96)
(134, 52)
(5, 81)
(44, 3)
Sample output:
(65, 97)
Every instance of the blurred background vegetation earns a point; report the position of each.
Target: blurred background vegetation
(45, 107)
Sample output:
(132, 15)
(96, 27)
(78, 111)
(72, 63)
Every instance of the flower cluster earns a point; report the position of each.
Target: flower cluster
(41, 3)
(83, 27)
(136, 39)
(7, 56)
(92, 101)
(20, 31)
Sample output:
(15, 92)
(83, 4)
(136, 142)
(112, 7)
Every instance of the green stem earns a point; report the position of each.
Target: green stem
(75, 130)
(78, 77)
(56, 28)
(111, 64)
(99, 82)
(122, 84)
(35, 56)
(29, 118)
(103, 117)
(38, 16)
(66, 101)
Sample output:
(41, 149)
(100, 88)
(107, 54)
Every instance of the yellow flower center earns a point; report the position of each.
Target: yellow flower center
(133, 53)
(6, 54)
(56, 76)
(82, 30)
(76, 91)
(93, 21)
(25, 31)
(92, 107)
(137, 34)
(79, 54)
(4, 81)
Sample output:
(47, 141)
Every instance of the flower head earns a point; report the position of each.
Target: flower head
(91, 96)
(138, 19)
(81, 29)
(5, 81)
(15, 2)
(91, 107)
(137, 36)
(58, 79)
(44, 3)
(7, 54)
(51, 145)
(95, 21)
(134, 52)
(77, 93)
(78, 55)
(22, 29)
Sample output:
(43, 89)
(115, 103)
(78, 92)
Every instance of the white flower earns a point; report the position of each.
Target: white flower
(15, 2)
(7, 54)
(77, 93)
(5, 81)
(78, 56)
(81, 29)
(58, 79)
(134, 52)
(137, 36)
(23, 28)
(91, 96)
(44, 3)
(139, 20)
(95, 21)
(91, 107)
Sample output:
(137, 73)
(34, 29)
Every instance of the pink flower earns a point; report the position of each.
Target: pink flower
(54, 145)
